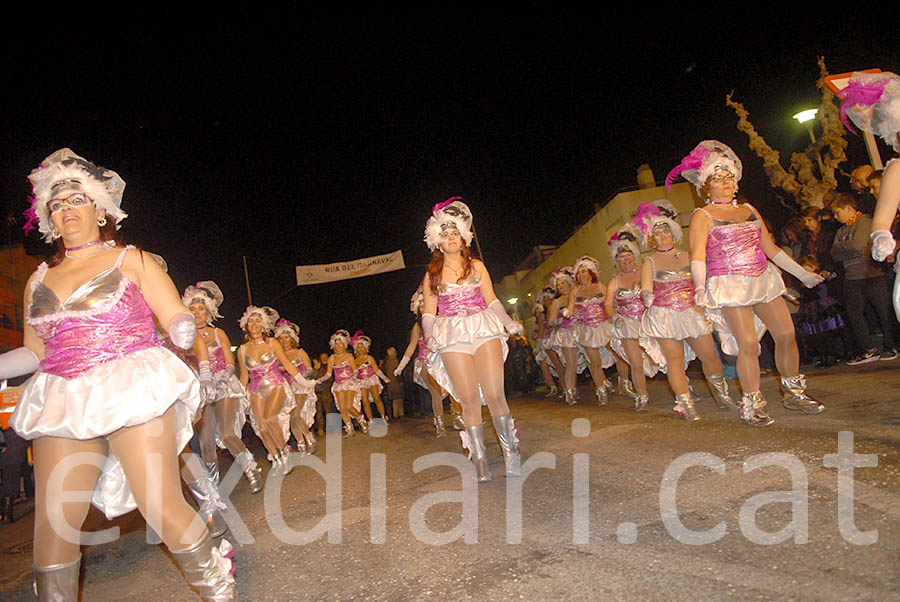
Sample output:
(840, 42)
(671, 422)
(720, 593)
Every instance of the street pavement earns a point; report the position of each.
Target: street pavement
(617, 506)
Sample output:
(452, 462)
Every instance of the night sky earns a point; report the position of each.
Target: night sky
(311, 137)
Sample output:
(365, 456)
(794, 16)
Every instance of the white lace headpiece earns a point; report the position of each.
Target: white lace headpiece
(451, 214)
(625, 239)
(339, 335)
(269, 317)
(872, 100)
(209, 294)
(707, 159)
(287, 327)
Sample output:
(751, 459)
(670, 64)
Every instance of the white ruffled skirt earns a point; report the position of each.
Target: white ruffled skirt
(471, 331)
(128, 391)
(651, 352)
(226, 385)
(737, 290)
(349, 385)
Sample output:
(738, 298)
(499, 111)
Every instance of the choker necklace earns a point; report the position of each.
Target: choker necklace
(85, 246)
(675, 254)
(104, 245)
(732, 202)
(631, 272)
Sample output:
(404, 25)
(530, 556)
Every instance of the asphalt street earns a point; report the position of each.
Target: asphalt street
(615, 505)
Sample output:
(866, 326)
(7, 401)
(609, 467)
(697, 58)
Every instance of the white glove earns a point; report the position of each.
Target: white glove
(809, 279)
(883, 244)
(647, 297)
(233, 383)
(18, 362)
(183, 330)
(618, 322)
(511, 326)
(399, 369)
(428, 330)
(381, 375)
(207, 389)
(698, 275)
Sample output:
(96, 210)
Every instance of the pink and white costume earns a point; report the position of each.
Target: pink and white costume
(592, 327)
(630, 307)
(265, 376)
(462, 325)
(226, 384)
(345, 380)
(306, 387)
(103, 369)
(738, 273)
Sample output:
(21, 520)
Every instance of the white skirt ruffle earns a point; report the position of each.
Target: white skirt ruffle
(349, 385)
(226, 385)
(737, 290)
(652, 353)
(474, 330)
(124, 392)
(283, 417)
(678, 324)
(594, 336)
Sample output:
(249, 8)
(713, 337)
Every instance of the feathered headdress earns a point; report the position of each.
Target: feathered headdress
(657, 214)
(287, 327)
(339, 335)
(451, 214)
(563, 274)
(269, 317)
(209, 294)
(708, 158)
(64, 170)
(589, 263)
(626, 239)
(358, 339)
(872, 100)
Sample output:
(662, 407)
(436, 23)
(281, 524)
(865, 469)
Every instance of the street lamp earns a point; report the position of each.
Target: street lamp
(807, 117)
(513, 301)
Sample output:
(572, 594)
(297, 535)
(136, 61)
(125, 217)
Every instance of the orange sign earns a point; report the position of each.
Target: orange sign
(9, 397)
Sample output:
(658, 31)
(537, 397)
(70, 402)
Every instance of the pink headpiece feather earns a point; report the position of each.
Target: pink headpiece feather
(694, 160)
(443, 204)
(644, 211)
(859, 94)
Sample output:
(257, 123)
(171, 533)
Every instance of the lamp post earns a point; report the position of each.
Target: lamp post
(514, 301)
(807, 117)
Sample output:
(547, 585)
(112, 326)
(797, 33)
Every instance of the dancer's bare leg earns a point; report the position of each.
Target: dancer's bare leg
(596, 365)
(489, 371)
(570, 357)
(740, 322)
(273, 406)
(674, 352)
(557, 365)
(373, 391)
(434, 389)
(777, 318)
(548, 376)
(298, 425)
(226, 415)
(206, 433)
(49, 546)
(366, 403)
(257, 406)
(150, 461)
(705, 348)
(622, 367)
(636, 359)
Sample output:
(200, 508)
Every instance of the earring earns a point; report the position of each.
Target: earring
(102, 221)
(54, 233)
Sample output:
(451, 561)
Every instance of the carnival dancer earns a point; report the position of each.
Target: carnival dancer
(466, 337)
(624, 305)
(593, 331)
(420, 371)
(303, 416)
(271, 394)
(346, 392)
(229, 403)
(563, 332)
(680, 327)
(733, 278)
(544, 341)
(103, 383)
(368, 375)
(872, 100)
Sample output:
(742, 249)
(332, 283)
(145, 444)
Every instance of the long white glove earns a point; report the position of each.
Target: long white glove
(511, 326)
(399, 369)
(883, 244)
(183, 330)
(18, 362)
(233, 383)
(428, 330)
(698, 275)
(381, 375)
(206, 384)
(809, 279)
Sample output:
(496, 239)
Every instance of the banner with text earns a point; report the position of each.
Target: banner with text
(344, 270)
